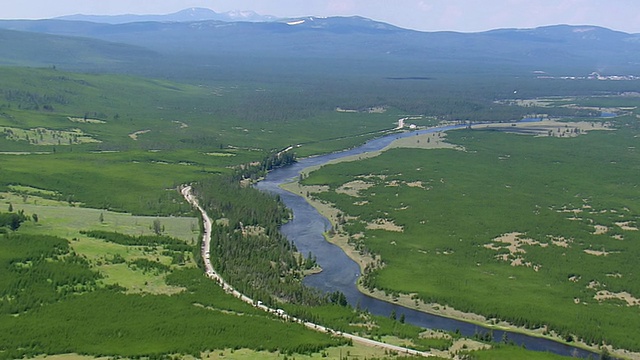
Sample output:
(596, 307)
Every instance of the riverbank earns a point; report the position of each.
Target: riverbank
(433, 140)
(340, 237)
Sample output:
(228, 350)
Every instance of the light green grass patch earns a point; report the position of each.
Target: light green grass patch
(219, 154)
(84, 120)
(136, 281)
(59, 219)
(43, 136)
(31, 190)
(20, 197)
(101, 253)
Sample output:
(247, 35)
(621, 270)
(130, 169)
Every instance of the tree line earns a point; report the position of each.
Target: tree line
(247, 248)
(260, 169)
(168, 242)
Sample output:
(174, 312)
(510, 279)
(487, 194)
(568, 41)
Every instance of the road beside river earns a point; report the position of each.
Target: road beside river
(213, 275)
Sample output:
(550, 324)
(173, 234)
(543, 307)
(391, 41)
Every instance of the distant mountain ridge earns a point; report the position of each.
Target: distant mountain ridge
(186, 15)
(355, 40)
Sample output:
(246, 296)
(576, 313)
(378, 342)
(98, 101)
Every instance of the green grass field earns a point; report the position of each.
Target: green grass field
(83, 135)
(61, 219)
(171, 115)
(451, 206)
(106, 152)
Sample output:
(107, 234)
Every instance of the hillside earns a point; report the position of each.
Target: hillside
(21, 48)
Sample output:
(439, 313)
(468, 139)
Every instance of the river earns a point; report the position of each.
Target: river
(340, 273)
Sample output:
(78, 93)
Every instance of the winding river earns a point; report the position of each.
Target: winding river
(340, 273)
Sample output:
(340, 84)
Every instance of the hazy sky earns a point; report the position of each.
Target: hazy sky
(428, 15)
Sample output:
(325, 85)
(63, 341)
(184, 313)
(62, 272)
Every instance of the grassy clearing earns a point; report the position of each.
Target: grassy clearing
(43, 137)
(28, 190)
(136, 282)
(60, 219)
(104, 181)
(502, 184)
(116, 264)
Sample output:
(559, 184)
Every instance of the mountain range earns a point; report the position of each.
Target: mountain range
(191, 14)
(202, 37)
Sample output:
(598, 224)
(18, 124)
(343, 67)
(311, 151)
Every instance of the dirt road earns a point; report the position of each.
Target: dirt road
(212, 274)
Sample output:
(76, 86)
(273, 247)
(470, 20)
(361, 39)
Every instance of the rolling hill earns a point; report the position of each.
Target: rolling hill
(20, 48)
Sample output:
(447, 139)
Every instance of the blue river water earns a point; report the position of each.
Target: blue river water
(340, 273)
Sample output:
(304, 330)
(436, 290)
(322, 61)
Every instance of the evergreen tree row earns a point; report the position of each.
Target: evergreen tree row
(247, 248)
(167, 242)
(260, 169)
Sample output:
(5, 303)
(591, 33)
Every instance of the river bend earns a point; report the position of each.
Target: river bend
(340, 273)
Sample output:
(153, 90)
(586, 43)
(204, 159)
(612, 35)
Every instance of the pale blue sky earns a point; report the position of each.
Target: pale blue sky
(427, 15)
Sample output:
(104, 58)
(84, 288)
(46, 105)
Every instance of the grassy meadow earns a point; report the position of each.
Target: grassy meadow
(166, 115)
(99, 152)
(84, 152)
(535, 231)
(83, 135)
